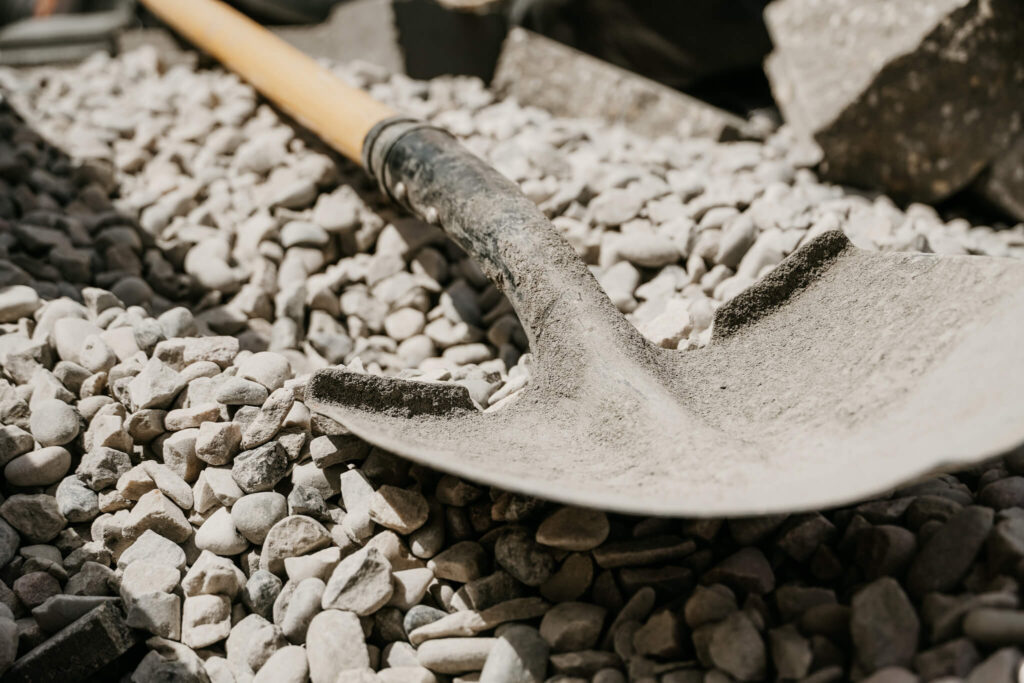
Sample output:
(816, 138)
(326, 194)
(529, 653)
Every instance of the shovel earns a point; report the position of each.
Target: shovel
(840, 375)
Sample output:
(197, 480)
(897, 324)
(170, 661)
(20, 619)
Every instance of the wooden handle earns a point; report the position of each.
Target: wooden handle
(340, 114)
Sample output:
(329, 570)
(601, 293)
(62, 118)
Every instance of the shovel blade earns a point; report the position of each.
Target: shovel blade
(841, 375)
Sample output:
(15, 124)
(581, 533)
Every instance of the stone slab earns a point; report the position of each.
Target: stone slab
(358, 29)
(541, 72)
(1002, 183)
(77, 651)
(913, 98)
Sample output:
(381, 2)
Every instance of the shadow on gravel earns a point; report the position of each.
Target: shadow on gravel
(61, 232)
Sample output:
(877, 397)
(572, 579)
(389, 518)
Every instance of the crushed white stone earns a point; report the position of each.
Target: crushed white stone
(194, 260)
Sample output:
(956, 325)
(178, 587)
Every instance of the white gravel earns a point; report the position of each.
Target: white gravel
(166, 293)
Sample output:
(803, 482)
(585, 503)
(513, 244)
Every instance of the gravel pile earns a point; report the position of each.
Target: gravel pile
(166, 291)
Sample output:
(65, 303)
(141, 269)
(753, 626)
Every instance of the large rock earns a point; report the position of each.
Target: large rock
(1002, 183)
(915, 98)
(77, 652)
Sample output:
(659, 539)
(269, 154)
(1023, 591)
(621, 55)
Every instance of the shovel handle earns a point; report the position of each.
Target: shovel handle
(420, 166)
(338, 113)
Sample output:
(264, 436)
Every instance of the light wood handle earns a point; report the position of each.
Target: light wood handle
(340, 114)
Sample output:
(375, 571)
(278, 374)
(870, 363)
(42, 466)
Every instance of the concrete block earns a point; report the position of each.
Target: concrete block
(913, 98)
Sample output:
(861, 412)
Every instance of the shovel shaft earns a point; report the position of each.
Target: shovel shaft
(338, 113)
(552, 290)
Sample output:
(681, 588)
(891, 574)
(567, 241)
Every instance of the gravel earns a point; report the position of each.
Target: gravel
(39, 468)
(361, 583)
(255, 514)
(54, 422)
(196, 258)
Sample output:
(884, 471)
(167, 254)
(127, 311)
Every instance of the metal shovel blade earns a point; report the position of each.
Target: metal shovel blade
(838, 376)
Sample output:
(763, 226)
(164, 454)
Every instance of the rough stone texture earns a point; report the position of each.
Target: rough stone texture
(572, 626)
(213, 575)
(261, 468)
(290, 537)
(143, 577)
(462, 562)
(947, 555)
(1002, 183)
(205, 620)
(540, 72)
(328, 450)
(523, 558)
(287, 665)
(361, 583)
(520, 655)
(155, 512)
(78, 651)
(156, 386)
(260, 592)
(37, 517)
(335, 643)
(398, 509)
(217, 442)
(35, 588)
(252, 641)
(737, 648)
(915, 99)
(883, 626)
(157, 613)
(9, 542)
(746, 570)
(152, 547)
